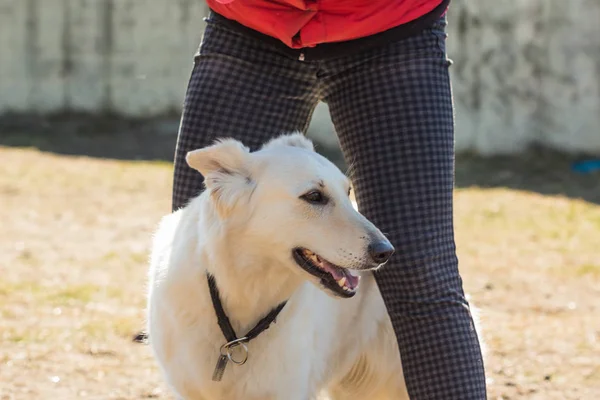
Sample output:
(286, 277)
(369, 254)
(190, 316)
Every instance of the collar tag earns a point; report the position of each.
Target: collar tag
(220, 369)
(235, 351)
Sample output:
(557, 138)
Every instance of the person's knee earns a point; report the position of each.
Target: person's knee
(424, 274)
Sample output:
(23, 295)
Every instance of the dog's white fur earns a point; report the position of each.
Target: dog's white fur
(242, 230)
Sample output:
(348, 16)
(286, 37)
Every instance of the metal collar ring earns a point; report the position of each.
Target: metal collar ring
(228, 348)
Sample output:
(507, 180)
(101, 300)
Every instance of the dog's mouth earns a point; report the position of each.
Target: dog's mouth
(339, 280)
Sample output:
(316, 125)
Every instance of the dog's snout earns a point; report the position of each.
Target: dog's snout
(380, 251)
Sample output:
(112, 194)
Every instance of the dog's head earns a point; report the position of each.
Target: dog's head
(292, 205)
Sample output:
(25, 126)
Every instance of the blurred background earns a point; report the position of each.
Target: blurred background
(90, 96)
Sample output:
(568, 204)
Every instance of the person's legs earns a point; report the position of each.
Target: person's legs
(242, 89)
(392, 109)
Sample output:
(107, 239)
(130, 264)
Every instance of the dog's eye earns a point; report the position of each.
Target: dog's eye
(314, 197)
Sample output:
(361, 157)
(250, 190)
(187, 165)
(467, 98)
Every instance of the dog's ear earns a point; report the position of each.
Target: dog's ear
(227, 156)
(225, 167)
(296, 139)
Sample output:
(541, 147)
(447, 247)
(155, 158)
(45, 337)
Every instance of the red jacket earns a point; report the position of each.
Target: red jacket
(306, 23)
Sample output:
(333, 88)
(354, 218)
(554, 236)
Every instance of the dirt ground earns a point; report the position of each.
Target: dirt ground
(75, 232)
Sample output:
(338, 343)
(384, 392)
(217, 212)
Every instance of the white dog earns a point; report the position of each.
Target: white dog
(277, 236)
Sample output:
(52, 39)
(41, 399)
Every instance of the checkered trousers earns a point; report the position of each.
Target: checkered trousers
(392, 110)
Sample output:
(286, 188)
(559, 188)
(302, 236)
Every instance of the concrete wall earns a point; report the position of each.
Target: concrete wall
(131, 56)
(524, 70)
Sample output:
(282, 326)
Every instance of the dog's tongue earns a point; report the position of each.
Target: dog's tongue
(351, 280)
(339, 273)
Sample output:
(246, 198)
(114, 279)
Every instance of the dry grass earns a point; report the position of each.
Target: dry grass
(532, 264)
(73, 247)
(74, 242)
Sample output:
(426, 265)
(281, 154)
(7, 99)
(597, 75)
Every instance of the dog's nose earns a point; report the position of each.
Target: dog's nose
(380, 252)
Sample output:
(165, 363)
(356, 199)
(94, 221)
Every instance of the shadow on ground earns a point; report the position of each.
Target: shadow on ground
(104, 136)
(538, 170)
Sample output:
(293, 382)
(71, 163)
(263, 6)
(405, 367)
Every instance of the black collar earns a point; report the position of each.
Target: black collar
(233, 342)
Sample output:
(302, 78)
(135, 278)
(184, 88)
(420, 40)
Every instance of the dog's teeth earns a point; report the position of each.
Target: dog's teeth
(342, 282)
